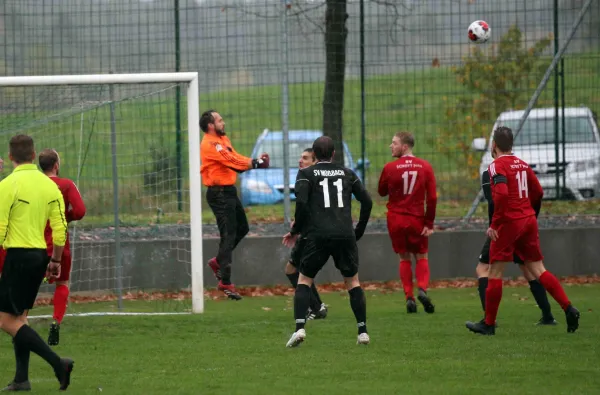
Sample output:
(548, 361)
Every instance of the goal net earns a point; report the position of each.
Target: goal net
(124, 140)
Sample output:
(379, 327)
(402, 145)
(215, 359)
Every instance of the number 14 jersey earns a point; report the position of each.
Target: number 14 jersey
(523, 190)
(324, 195)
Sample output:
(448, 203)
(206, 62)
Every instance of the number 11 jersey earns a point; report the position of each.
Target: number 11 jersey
(324, 191)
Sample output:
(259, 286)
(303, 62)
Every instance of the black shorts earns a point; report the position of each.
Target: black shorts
(23, 272)
(296, 254)
(484, 256)
(316, 252)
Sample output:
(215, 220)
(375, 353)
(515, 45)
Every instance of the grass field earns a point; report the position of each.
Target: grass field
(239, 348)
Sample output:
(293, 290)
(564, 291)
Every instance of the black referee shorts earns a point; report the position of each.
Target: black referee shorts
(23, 272)
(316, 252)
(484, 256)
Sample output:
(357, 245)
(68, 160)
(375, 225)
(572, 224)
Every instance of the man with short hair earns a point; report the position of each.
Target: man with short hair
(75, 210)
(220, 165)
(410, 183)
(317, 309)
(483, 267)
(324, 217)
(514, 229)
(28, 200)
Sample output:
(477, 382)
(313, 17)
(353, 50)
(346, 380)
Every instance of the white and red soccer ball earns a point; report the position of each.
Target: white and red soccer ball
(479, 32)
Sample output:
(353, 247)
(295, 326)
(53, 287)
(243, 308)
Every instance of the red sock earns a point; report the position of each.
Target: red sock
(422, 272)
(406, 276)
(61, 296)
(493, 296)
(552, 285)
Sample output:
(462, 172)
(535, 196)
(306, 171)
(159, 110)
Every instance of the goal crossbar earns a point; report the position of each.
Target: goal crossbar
(193, 119)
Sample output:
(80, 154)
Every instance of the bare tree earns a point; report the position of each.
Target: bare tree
(335, 34)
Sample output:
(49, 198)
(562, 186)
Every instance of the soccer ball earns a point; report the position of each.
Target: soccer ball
(479, 32)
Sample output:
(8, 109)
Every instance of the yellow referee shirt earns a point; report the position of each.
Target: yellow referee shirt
(28, 199)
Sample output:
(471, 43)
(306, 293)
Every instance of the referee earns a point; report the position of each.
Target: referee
(220, 165)
(28, 199)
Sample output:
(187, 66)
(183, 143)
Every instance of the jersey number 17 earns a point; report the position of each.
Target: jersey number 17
(409, 179)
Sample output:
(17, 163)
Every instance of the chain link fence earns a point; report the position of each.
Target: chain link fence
(416, 71)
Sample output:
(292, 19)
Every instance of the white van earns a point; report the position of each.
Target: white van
(535, 144)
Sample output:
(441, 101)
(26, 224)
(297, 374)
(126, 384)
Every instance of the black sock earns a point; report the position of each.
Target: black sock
(301, 303)
(22, 358)
(27, 338)
(541, 298)
(316, 297)
(358, 302)
(293, 279)
(226, 274)
(483, 283)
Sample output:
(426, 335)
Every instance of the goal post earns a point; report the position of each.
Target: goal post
(78, 113)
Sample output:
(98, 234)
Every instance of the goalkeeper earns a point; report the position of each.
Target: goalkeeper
(74, 210)
(220, 165)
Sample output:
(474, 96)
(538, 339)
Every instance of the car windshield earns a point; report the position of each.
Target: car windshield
(538, 131)
(295, 148)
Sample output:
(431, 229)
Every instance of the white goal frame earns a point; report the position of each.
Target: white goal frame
(191, 79)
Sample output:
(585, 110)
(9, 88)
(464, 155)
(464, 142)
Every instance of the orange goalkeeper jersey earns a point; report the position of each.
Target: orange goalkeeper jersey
(220, 162)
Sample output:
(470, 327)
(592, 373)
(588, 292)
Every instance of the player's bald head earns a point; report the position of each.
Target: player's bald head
(47, 159)
(323, 148)
(503, 138)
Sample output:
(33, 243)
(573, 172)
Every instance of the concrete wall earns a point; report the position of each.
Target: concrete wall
(163, 264)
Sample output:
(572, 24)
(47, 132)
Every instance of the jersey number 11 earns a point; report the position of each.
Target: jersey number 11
(338, 184)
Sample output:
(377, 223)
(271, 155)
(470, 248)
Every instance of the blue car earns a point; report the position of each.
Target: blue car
(265, 186)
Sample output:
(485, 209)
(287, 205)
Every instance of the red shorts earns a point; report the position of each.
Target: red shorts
(519, 237)
(2, 257)
(405, 232)
(65, 267)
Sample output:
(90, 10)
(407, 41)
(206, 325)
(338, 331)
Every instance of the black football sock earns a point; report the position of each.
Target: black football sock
(226, 274)
(301, 304)
(27, 338)
(293, 279)
(541, 298)
(358, 302)
(22, 358)
(483, 283)
(316, 297)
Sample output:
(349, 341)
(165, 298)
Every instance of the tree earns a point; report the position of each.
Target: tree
(495, 79)
(336, 34)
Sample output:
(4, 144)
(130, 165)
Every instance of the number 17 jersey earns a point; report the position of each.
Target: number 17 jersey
(326, 189)
(410, 183)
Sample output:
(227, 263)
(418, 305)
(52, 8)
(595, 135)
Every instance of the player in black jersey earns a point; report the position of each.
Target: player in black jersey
(537, 290)
(324, 216)
(317, 309)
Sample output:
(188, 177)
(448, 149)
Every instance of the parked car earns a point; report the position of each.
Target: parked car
(536, 145)
(265, 186)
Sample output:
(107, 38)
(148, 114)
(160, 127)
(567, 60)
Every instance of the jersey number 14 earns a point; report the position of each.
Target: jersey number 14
(338, 184)
(522, 184)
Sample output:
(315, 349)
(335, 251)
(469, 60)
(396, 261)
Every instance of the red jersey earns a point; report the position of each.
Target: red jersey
(410, 183)
(74, 207)
(515, 189)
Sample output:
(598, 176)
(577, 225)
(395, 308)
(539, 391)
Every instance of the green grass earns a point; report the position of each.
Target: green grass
(145, 129)
(239, 348)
